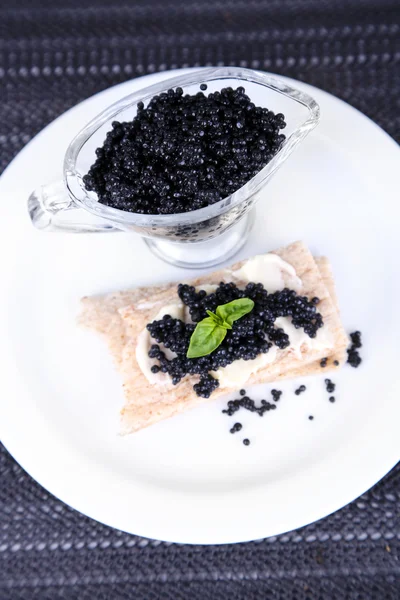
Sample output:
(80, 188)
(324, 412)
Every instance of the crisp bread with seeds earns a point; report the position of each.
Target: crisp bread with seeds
(122, 316)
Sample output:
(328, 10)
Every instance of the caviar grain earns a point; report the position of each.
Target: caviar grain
(323, 362)
(246, 442)
(236, 427)
(248, 404)
(205, 387)
(332, 399)
(184, 152)
(300, 390)
(276, 394)
(330, 386)
(353, 356)
(311, 418)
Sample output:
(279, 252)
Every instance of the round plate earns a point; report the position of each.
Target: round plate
(187, 479)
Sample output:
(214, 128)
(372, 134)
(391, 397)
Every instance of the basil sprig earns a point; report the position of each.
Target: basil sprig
(211, 331)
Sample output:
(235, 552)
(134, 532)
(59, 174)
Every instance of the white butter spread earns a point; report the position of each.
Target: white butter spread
(144, 342)
(271, 270)
(298, 338)
(238, 372)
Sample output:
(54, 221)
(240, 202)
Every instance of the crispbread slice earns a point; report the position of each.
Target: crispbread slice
(338, 354)
(325, 269)
(100, 313)
(122, 316)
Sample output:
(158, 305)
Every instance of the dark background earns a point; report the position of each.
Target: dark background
(54, 54)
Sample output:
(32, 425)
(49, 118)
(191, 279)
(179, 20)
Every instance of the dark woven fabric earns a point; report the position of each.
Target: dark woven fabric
(54, 54)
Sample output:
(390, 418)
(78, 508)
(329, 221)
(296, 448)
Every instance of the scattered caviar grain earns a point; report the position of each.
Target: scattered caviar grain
(330, 386)
(353, 356)
(276, 394)
(356, 339)
(336, 363)
(300, 390)
(242, 392)
(184, 152)
(246, 442)
(311, 417)
(236, 427)
(155, 369)
(332, 399)
(250, 336)
(323, 362)
(248, 404)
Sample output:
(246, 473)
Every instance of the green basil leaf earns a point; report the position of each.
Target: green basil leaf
(232, 311)
(205, 338)
(211, 331)
(218, 320)
(214, 317)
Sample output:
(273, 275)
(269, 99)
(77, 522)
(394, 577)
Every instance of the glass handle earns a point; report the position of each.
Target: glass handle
(51, 209)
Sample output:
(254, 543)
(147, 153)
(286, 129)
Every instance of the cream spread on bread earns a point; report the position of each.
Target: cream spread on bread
(275, 274)
(270, 270)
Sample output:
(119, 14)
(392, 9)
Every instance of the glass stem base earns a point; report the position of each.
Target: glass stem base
(199, 255)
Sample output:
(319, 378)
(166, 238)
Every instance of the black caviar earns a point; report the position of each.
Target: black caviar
(248, 404)
(184, 152)
(205, 387)
(250, 336)
(276, 394)
(330, 386)
(353, 356)
(300, 390)
(332, 399)
(323, 362)
(236, 427)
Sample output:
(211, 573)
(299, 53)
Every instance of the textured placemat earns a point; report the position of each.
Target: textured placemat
(54, 54)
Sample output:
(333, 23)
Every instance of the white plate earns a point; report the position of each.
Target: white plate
(187, 479)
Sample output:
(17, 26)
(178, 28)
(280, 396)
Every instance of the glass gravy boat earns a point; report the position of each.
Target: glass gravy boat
(196, 239)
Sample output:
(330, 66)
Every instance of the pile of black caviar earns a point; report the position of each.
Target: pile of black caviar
(184, 152)
(250, 336)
